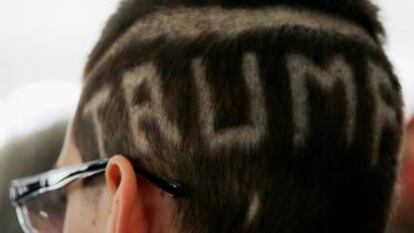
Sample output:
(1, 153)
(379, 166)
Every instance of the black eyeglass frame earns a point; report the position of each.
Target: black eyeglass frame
(24, 189)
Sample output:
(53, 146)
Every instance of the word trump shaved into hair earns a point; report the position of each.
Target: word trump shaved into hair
(275, 118)
(144, 94)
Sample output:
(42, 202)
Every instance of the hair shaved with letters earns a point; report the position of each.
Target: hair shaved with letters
(277, 117)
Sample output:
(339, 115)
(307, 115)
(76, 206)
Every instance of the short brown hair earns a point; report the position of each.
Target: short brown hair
(291, 127)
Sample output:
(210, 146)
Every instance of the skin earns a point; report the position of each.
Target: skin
(406, 208)
(125, 203)
(403, 214)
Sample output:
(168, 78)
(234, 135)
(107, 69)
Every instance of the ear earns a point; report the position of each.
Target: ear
(128, 213)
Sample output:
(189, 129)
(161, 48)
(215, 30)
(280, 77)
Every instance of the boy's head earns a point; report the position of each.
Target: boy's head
(276, 117)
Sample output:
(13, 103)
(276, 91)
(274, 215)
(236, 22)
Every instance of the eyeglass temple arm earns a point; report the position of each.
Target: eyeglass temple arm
(172, 187)
(25, 188)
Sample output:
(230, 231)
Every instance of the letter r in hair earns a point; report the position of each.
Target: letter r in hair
(144, 81)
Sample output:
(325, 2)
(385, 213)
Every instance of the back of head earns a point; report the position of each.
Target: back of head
(278, 116)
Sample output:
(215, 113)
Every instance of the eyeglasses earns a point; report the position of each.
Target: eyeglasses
(40, 202)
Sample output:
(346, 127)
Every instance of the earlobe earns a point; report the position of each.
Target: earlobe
(128, 212)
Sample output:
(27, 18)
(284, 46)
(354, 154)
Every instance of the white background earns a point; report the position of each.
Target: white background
(44, 44)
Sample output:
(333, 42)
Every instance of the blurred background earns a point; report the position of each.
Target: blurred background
(44, 45)
(43, 48)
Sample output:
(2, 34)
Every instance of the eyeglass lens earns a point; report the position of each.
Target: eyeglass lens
(46, 212)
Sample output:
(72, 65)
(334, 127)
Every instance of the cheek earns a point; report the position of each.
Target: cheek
(79, 214)
(86, 212)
